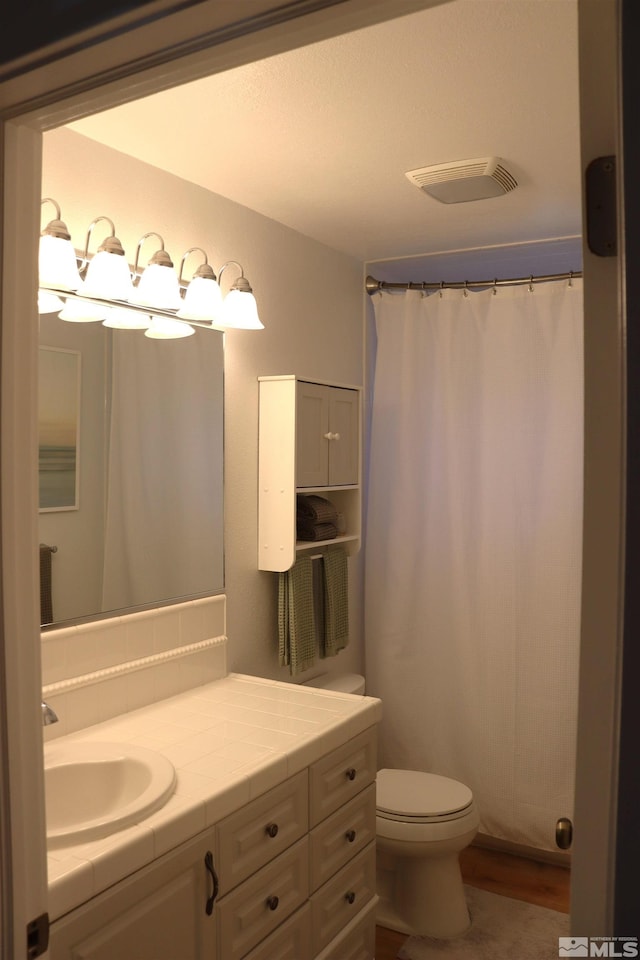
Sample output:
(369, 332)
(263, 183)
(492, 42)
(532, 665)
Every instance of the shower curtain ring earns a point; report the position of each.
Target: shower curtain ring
(495, 286)
(466, 291)
(531, 284)
(570, 278)
(441, 288)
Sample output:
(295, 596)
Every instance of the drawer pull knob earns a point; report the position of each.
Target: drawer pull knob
(351, 773)
(272, 903)
(272, 829)
(350, 897)
(208, 862)
(350, 835)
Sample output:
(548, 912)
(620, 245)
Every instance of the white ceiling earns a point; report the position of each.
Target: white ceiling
(320, 138)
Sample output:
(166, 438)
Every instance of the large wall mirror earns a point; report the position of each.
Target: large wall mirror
(131, 469)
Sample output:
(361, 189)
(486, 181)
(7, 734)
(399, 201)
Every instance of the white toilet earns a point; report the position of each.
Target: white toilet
(423, 821)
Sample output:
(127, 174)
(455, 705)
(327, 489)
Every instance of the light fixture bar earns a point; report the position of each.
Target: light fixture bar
(98, 301)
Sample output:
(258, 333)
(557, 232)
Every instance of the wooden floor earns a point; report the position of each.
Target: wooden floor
(544, 884)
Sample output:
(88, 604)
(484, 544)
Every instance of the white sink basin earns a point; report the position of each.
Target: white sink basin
(95, 789)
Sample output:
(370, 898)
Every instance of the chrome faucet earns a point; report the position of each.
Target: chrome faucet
(48, 715)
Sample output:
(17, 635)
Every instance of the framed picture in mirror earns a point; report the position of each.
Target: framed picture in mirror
(58, 428)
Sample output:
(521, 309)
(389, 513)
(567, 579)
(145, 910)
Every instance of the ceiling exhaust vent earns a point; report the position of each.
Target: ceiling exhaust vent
(464, 180)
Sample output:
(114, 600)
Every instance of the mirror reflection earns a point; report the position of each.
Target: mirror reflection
(131, 481)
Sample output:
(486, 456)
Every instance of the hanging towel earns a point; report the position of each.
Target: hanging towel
(336, 602)
(296, 621)
(46, 604)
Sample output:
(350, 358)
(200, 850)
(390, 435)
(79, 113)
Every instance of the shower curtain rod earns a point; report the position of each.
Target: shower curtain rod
(373, 286)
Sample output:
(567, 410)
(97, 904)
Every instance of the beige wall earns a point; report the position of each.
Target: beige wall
(311, 303)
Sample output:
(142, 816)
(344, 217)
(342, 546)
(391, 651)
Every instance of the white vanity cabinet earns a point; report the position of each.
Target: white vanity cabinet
(309, 442)
(294, 879)
(316, 861)
(158, 912)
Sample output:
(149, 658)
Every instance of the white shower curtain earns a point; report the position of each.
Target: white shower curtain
(164, 528)
(473, 547)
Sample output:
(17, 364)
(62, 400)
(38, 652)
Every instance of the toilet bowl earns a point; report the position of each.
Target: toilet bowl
(423, 822)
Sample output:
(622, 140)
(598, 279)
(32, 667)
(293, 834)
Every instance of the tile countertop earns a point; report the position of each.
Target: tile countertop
(229, 741)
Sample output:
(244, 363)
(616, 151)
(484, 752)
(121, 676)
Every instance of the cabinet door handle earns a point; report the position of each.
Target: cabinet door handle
(208, 862)
(350, 835)
(351, 773)
(331, 436)
(272, 903)
(350, 897)
(272, 829)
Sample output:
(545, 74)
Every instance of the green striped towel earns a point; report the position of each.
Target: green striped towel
(296, 621)
(336, 602)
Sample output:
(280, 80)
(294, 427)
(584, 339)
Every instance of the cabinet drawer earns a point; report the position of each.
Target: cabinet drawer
(340, 899)
(345, 833)
(257, 833)
(357, 941)
(336, 778)
(254, 909)
(291, 941)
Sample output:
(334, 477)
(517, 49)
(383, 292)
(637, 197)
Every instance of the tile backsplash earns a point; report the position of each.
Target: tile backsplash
(98, 670)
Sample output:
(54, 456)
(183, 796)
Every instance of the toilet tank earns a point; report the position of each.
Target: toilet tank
(341, 682)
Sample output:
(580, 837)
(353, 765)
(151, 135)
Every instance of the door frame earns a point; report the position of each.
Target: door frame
(74, 79)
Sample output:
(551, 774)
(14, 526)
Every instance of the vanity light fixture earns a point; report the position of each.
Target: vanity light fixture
(104, 288)
(57, 258)
(163, 328)
(107, 274)
(239, 307)
(120, 318)
(49, 302)
(203, 298)
(82, 311)
(158, 286)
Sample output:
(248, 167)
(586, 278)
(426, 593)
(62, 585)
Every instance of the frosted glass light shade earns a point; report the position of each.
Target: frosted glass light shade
(202, 301)
(158, 287)
(76, 311)
(107, 277)
(163, 328)
(240, 311)
(121, 319)
(57, 264)
(49, 303)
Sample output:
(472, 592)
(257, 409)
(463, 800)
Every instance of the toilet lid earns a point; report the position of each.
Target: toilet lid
(411, 793)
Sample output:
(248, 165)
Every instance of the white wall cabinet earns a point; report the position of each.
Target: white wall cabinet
(309, 442)
(327, 438)
(296, 880)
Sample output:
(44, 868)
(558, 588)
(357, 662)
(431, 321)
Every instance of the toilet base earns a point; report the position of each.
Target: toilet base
(422, 897)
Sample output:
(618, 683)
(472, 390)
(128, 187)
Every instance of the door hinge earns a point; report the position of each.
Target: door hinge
(601, 207)
(37, 936)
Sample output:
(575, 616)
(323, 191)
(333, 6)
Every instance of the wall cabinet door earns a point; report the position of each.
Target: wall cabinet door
(158, 912)
(326, 435)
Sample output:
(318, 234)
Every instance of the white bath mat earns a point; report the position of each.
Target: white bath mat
(501, 929)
